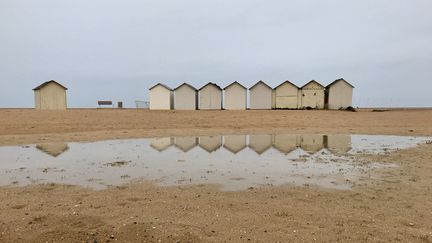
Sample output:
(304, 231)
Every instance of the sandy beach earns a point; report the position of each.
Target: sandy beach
(391, 205)
(24, 126)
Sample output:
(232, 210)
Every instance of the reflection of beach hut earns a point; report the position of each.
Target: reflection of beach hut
(286, 96)
(210, 97)
(312, 143)
(161, 97)
(312, 95)
(286, 143)
(260, 96)
(338, 143)
(235, 143)
(338, 94)
(50, 96)
(53, 149)
(210, 143)
(185, 97)
(160, 144)
(185, 143)
(235, 96)
(260, 143)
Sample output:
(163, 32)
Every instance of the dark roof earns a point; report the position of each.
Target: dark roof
(337, 80)
(163, 85)
(312, 81)
(262, 82)
(210, 83)
(235, 82)
(192, 87)
(48, 82)
(286, 81)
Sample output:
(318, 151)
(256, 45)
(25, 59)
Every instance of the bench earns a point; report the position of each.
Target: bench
(105, 102)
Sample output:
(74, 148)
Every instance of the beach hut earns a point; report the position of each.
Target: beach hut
(210, 97)
(312, 95)
(186, 143)
(161, 97)
(210, 143)
(235, 96)
(235, 143)
(286, 96)
(260, 96)
(185, 97)
(50, 95)
(260, 143)
(338, 94)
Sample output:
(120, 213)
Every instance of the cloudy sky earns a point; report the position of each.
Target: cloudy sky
(116, 50)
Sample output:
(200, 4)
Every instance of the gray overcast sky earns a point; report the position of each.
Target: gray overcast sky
(117, 49)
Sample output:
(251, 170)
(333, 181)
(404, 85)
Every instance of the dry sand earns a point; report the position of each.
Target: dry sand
(22, 126)
(396, 206)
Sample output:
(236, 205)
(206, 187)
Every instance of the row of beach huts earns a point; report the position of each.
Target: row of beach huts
(313, 95)
(337, 95)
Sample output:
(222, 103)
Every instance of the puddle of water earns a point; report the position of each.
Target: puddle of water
(236, 162)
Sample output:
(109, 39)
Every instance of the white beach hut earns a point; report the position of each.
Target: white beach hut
(260, 96)
(161, 97)
(50, 95)
(339, 94)
(312, 95)
(235, 96)
(210, 97)
(286, 96)
(185, 97)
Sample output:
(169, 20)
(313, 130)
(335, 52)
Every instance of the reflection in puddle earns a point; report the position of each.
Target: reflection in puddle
(186, 143)
(235, 143)
(236, 162)
(260, 143)
(53, 149)
(161, 144)
(210, 143)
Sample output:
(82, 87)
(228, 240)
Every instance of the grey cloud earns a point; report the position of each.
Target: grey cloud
(117, 49)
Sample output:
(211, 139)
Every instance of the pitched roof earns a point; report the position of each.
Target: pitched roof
(312, 81)
(163, 85)
(210, 83)
(260, 82)
(48, 82)
(337, 80)
(190, 86)
(286, 81)
(235, 82)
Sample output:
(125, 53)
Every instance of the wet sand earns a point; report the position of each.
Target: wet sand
(392, 205)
